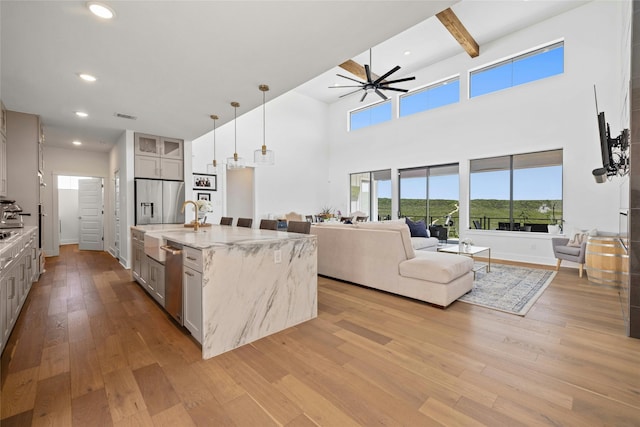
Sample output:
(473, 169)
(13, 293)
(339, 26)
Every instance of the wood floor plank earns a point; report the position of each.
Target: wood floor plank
(53, 402)
(174, 416)
(157, 391)
(55, 360)
(85, 373)
(91, 409)
(244, 411)
(123, 394)
(19, 392)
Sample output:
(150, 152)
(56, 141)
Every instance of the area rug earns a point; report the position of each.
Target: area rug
(508, 288)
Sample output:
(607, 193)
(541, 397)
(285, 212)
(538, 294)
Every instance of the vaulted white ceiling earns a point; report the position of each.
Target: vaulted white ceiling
(173, 63)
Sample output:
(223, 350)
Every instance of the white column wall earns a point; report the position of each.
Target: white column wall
(556, 112)
(296, 131)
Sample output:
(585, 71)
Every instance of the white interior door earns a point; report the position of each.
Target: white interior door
(90, 210)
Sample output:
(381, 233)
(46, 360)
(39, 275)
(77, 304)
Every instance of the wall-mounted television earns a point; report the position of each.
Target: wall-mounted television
(605, 147)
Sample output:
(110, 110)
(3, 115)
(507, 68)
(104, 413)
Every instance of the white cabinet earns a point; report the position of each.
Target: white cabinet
(137, 253)
(192, 291)
(16, 278)
(155, 281)
(192, 302)
(158, 157)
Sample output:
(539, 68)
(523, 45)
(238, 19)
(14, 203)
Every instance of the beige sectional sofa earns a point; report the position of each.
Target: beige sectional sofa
(381, 256)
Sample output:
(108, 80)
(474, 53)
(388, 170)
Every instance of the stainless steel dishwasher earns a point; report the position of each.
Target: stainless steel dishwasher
(173, 280)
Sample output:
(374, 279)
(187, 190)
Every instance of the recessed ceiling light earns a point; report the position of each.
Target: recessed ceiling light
(81, 114)
(77, 143)
(101, 10)
(407, 52)
(87, 77)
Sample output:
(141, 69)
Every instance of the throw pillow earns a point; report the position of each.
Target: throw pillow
(577, 239)
(417, 229)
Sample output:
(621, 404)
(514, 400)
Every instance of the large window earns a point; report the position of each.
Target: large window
(522, 192)
(370, 115)
(431, 194)
(538, 64)
(430, 97)
(371, 194)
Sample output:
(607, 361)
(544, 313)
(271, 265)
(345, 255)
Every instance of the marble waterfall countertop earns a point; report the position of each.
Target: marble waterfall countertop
(217, 235)
(254, 282)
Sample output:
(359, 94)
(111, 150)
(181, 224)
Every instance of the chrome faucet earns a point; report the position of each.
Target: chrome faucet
(196, 224)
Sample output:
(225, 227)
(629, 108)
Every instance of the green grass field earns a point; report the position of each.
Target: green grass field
(488, 212)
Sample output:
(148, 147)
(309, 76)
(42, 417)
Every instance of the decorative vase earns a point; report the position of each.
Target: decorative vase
(553, 229)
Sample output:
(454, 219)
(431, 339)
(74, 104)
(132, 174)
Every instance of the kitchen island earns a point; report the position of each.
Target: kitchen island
(253, 282)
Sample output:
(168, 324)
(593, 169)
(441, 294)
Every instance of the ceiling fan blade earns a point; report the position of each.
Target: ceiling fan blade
(364, 96)
(340, 87)
(349, 78)
(367, 71)
(406, 79)
(381, 95)
(350, 93)
(387, 74)
(394, 88)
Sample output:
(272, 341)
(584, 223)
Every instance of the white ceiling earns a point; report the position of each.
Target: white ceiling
(173, 63)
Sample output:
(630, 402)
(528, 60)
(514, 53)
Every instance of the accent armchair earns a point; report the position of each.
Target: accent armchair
(569, 253)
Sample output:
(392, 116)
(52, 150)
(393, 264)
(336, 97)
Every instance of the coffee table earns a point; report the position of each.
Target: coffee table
(470, 251)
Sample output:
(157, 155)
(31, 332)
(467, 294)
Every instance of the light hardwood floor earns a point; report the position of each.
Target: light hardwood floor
(91, 348)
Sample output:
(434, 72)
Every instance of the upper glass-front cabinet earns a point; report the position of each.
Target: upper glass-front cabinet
(171, 148)
(147, 145)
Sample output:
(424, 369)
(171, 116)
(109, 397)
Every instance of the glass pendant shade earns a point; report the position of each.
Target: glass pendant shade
(264, 157)
(235, 162)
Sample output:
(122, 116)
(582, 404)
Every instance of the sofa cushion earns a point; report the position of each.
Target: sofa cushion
(401, 227)
(417, 228)
(419, 243)
(436, 266)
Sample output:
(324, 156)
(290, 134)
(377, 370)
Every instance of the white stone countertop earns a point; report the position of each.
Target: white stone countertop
(217, 235)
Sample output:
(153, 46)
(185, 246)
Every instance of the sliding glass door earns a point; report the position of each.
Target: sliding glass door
(371, 194)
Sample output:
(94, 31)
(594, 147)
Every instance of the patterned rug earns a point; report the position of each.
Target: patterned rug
(508, 288)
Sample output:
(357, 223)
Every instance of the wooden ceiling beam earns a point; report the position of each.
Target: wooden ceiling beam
(451, 22)
(357, 70)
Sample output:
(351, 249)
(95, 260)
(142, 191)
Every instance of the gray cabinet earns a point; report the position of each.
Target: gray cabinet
(158, 157)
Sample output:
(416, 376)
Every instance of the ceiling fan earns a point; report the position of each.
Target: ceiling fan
(374, 85)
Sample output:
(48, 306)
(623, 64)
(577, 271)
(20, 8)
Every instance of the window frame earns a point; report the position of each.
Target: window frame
(512, 214)
(426, 88)
(369, 107)
(511, 59)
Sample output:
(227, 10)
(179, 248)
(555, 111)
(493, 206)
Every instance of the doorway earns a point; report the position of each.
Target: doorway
(240, 193)
(79, 212)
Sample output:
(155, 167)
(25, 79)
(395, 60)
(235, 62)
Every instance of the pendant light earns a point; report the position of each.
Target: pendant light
(215, 162)
(235, 162)
(263, 157)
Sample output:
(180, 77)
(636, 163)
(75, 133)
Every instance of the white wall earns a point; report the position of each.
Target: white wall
(296, 130)
(62, 161)
(557, 112)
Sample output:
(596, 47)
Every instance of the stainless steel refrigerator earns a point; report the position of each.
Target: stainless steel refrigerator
(159, 202)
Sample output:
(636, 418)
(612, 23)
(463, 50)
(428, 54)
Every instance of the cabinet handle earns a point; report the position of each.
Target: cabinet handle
(13, 288)
(191, 258)
(188, 274)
